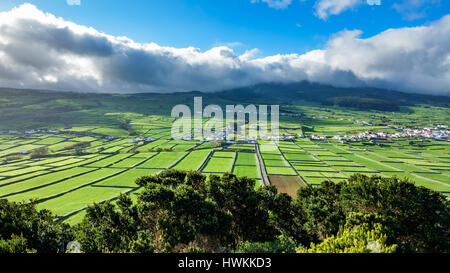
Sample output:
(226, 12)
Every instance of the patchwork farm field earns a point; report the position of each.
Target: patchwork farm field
(93, 156)
(66, 183)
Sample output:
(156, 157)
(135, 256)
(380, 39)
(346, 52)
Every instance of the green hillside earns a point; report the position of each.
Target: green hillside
(68, 150)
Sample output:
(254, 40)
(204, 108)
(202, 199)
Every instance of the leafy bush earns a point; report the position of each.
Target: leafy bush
(418, 219)
(357, 240)
(39, 152)
(17, 244)
(282, 245)
(39, 228)
(180, 211)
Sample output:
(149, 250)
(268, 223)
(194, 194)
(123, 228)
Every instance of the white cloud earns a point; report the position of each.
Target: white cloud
(414, 9)
(38, 50)
(73, 2)
(276, 4)
(230, 44)
(374, 2)
(325, 8)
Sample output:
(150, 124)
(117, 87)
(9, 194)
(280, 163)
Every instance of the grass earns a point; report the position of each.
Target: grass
(18, 149)
(64, 186)
(80, 162)
(248, 159)
(242, 147)
(162, 160)
(66, 162)
(152, 145)
(278, 162)
(17, 172)
(5, 180)
(94, 118)
(42, 180)
(271, 156)
(219, 165)
(193, 161)
(48, 161)
(224, 154)
(299, 157)
(280, 171)
(143, 155)
(76, 218)
(128, 162)
(81, 198)
(126, 179)
(108, 161)
(248, 171)
(50, 141)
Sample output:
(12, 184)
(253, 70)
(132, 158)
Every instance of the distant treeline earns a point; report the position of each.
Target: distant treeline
(180, 211)
(363, 103)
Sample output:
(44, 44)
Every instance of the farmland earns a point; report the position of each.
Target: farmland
(89, 156)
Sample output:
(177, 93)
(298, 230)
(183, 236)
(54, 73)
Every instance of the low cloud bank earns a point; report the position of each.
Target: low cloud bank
(39, 50)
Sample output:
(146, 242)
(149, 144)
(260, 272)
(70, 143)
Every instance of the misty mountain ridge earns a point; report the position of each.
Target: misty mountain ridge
(364, 98)
(327, 95)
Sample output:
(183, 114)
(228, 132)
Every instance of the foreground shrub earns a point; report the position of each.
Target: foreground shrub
(357, 240)
(179, 211)
(17, 244)
(417, 219)
(282, 245)
(38, 229)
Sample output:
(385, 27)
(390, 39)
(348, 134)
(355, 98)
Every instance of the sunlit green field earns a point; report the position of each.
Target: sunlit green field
(66, 179)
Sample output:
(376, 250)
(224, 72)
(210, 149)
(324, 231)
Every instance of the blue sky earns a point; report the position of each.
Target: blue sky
(241, 24)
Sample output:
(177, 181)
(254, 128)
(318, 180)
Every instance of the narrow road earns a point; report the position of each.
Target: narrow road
(265, 178)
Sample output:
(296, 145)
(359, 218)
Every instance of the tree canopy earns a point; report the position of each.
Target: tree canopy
(179, 211)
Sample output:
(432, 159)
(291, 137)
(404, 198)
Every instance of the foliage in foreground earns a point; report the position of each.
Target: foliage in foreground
(181, 211)
(25, 229)
(415, 218)
(17, 244)
(356, 240)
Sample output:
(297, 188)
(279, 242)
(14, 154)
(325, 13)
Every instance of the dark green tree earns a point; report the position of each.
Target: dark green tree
(183, 216)
(323, 211)
(288, 218)
(282, 244)
(17, 244)
(249, 208)
(415, 218)
(113, 228)
(419, 218)
(39, 228)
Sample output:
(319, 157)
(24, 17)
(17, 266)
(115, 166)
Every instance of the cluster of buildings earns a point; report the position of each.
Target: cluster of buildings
(50, 131)
(316, 137)
(439, 134)
(222, 136)
(141, 138)
(432, 133)
(317, 117)
(290, 114)
(30, 132)
(363, 123)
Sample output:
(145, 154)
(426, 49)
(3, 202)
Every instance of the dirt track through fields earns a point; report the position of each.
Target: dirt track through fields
(264, 176)
(287, 184)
